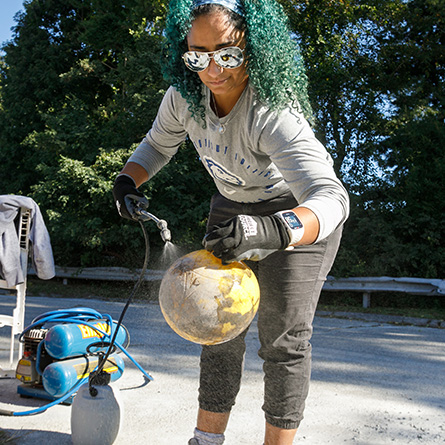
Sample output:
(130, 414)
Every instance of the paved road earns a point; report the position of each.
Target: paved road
(373, 384)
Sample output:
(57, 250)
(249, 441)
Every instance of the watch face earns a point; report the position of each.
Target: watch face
(292, 220)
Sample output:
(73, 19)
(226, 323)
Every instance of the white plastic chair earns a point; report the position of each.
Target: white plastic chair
(16, 321)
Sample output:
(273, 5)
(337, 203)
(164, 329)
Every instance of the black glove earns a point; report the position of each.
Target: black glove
(246, 238)
(127, 197)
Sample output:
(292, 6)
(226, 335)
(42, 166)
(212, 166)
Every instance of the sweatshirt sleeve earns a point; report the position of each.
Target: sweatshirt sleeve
(164, 138)
(307, 168)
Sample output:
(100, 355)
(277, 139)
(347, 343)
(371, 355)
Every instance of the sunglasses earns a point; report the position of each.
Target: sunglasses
(227, 58)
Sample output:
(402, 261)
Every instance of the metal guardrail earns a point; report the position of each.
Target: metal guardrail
(368, 285)
(107, 273)
(365, 285)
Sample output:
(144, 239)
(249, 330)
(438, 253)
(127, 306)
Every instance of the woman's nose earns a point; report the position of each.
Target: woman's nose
(214, 69)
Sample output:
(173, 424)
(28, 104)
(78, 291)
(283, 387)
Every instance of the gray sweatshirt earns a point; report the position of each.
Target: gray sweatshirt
(41, 251)
(260, 155)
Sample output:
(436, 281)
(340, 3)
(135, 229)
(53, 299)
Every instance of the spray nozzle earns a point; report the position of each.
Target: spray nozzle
(162, 224)
(165, 233)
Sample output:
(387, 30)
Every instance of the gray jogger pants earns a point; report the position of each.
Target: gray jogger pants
(290, 286)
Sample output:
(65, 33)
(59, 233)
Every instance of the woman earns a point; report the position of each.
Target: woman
(239, 93)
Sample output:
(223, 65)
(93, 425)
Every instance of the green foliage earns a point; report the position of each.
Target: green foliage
(84, 226)
(180, 193)
(408, 203)
(77, 201)
(376, 74)
(417, 203)
(80, 80)
(338, 41)
(76, 77)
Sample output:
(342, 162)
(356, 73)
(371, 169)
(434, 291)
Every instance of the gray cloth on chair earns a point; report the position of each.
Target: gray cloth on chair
(41, 250)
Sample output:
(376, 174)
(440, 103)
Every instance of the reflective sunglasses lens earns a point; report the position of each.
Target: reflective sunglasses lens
(196, 61)
(231, 57)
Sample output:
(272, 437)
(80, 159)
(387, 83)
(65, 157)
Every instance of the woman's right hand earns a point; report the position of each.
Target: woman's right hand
(127, 197)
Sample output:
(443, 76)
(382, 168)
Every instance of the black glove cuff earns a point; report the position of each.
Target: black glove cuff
(282, 231)
(124, 179)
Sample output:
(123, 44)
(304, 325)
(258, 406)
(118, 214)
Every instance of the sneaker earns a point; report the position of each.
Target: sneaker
(193, 441)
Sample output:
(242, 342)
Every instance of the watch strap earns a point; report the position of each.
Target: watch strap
(293, 225)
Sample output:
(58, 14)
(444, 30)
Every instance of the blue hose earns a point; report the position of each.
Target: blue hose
(41, 409)
(76, 315)
(84, 316)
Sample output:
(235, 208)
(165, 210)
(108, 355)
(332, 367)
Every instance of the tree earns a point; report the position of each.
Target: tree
(337, 39)
(31, 86)
(413, 155)
(81, 84)
(376, 85)
(73, 81)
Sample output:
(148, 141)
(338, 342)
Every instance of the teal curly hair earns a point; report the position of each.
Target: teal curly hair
(275, 65)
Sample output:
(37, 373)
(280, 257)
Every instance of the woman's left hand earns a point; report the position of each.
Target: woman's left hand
(246, 237)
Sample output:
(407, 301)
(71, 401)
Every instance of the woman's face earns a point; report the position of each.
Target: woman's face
(211, 32)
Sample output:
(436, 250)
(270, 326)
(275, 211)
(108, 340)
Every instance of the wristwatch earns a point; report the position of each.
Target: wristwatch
(294, 226)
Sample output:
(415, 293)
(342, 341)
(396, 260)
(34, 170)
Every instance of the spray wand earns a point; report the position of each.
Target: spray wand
(162, 224)
(99, 376)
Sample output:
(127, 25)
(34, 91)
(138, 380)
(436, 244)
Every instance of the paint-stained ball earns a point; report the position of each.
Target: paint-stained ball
(207, 302)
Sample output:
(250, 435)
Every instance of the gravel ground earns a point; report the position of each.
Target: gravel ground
(372, 383)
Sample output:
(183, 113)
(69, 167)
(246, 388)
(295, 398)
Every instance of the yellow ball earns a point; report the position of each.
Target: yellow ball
(207, 302)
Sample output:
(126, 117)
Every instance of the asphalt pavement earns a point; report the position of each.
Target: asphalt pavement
(373, 383)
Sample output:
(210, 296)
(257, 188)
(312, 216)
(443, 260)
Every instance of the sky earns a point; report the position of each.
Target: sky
(8, 9)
